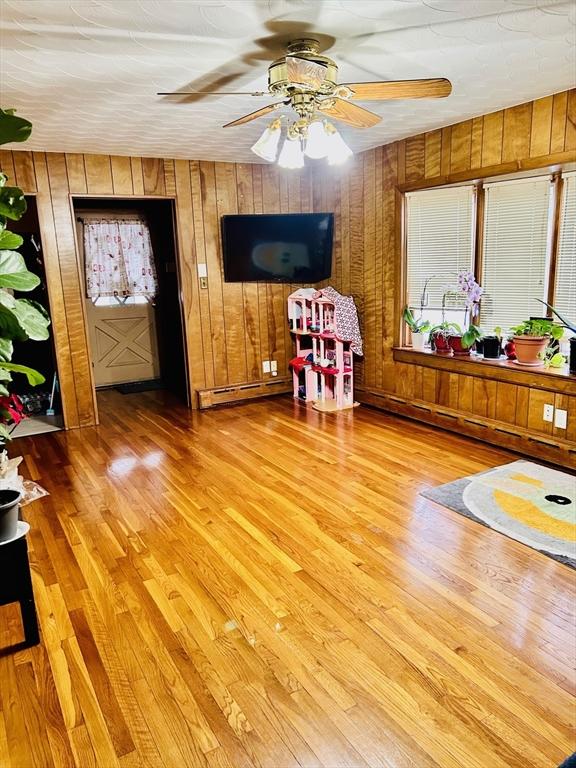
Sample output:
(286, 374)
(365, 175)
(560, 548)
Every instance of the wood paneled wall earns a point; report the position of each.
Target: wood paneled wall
(367, 261)
(230, 327)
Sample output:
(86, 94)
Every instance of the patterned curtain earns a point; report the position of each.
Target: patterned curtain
(119, 259)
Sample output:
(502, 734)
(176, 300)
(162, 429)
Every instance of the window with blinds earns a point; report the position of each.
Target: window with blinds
(565, 286)
(440, 237)
(515, 259)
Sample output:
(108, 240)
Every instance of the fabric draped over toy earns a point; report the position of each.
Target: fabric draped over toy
(119, 259)
(346, 324)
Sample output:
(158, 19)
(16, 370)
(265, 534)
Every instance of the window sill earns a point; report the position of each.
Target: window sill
(555, 380)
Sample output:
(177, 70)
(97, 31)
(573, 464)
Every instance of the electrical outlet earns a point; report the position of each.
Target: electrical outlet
(548, 412)
(273, 366)
(266, 366)
(560, 419)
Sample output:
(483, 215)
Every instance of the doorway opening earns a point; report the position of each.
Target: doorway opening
(127, 250)
(41, 403)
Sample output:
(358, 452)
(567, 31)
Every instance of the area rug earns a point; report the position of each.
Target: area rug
(525, 501)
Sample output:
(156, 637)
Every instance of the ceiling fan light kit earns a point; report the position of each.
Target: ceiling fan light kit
(291, 155)
(307, 81)
(267, 145)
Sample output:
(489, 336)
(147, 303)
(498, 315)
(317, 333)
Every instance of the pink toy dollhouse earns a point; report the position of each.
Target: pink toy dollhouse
(325, 325)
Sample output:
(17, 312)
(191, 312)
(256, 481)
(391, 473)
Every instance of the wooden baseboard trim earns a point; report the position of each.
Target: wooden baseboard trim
(518, 439)
(208, 398)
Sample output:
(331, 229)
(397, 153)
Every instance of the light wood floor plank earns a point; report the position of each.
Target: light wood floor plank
(263, 587)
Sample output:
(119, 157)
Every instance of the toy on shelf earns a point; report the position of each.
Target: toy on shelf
(325, 325)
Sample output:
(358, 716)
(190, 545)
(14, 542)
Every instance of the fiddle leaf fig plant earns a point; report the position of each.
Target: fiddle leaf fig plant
(20, 319)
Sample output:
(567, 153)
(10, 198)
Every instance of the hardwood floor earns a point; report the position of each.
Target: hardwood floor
(263, 586)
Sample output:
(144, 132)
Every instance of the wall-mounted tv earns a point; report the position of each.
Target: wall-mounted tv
(277, 248)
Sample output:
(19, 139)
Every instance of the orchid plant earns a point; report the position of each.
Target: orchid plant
(472, 294)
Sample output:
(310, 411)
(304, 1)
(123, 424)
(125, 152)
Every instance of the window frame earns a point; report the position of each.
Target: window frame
(478, 211)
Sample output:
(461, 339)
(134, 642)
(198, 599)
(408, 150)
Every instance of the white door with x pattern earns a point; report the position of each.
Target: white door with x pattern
(124, 344)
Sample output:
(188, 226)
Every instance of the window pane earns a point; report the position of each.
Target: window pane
(515, 258)
(565, 291)
(439, 243)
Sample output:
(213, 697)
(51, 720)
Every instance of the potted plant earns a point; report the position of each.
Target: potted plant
(440, 335)
(491, 345)
(461, 343)
(418, 328)
(20, 319)
(531, 338)
(571, 325)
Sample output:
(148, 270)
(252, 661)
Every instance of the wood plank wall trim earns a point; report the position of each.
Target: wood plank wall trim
(555, 450)
(545, 163)
(551, 382)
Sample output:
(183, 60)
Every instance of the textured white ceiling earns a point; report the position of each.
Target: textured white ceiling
(86, 72)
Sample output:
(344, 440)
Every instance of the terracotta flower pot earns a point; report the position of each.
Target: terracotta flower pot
(441, 345)
(530, 349)
(456, 346)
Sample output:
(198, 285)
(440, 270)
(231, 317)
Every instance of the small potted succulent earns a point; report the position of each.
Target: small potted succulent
(532, 337)
(440, 337)
(418, 328)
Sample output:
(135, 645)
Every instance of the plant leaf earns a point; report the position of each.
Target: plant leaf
(4, 434)
(568, 323)
(34, 377)
(14, 274)
(32, 318)
(6, 350)
(10, 240)
(12, 203)
(13, 128)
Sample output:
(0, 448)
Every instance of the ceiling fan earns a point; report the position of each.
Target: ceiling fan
(307, 81)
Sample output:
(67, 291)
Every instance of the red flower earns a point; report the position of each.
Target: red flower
(11, 409)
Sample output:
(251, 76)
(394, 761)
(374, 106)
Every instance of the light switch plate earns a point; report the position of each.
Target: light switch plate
(560, 419)
(202, 270)
(273, 366)
(266, 366)
(548, 414)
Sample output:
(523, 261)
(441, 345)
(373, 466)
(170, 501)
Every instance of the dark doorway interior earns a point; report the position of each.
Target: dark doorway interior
(159, 215)
(42, 403)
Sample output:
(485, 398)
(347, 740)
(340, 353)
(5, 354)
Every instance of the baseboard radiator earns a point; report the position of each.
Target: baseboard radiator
(234, 393)
(518, 439)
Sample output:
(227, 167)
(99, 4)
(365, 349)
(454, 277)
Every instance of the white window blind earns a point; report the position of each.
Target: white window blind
(565, 289)
(517, 217)
(439, 229)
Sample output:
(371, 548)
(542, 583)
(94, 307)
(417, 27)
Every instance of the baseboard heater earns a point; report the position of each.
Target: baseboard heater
(233, 393)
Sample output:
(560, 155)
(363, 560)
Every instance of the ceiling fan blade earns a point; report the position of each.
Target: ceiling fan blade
(253, 115)
(214, 93)
(349, 113)
(433, 88)
(305, 72)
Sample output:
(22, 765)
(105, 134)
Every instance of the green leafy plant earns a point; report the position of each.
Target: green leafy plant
(416, 326)
(471, 335)
(539, 327)
(570, 324)
(20, 319)
(552, 359)
(446, 329)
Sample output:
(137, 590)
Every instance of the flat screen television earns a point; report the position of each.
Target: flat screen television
(277, 248)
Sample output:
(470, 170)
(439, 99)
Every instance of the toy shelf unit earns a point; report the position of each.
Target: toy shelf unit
(323, 369)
